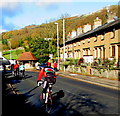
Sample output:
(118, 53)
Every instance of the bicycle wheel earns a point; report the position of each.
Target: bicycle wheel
(48, 105)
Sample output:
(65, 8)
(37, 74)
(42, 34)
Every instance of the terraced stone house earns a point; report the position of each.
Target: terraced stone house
(103, 41)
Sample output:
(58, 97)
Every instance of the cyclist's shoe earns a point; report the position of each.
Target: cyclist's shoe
(46, 101)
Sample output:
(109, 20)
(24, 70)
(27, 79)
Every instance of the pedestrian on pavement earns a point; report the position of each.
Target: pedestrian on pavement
(48, 64)
(55, 66)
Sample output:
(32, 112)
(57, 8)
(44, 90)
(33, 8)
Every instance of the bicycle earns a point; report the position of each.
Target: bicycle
(15, 72)
(22, 73)
(47, 102)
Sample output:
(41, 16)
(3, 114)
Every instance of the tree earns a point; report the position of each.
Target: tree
(52, 47)
(14, 43)
(5, 42)
(18, 51)
(40, 48)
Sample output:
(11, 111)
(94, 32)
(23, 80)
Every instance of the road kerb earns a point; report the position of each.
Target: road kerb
(95, 83)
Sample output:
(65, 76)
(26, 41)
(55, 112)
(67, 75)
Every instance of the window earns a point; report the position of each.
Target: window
(118, 51)
(87, 52)
(113, 50)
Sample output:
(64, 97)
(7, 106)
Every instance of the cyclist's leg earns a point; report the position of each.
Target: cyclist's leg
(14, 72)
(44, 89)
(18, 71)
(23, 73)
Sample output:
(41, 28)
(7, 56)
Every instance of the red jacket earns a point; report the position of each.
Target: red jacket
(43, 73)
(48, 64)
(16, 66)
(55, 65)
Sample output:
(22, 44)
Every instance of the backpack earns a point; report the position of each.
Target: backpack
(50, 77)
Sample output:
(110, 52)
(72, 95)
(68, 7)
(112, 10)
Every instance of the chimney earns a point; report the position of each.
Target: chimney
(110, 15)
(79, 30)
(86, 28)
(97, 22)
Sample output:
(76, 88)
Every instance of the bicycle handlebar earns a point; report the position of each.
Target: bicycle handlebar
(40, 83)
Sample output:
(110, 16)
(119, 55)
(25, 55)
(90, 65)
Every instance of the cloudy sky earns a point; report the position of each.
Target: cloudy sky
(17, 14)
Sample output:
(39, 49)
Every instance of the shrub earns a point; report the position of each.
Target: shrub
(72, 61)
(65, 63)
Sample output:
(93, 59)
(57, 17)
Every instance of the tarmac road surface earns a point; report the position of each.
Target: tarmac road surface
(80, 98)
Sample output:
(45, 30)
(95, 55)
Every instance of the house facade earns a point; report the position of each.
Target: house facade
(103, 41)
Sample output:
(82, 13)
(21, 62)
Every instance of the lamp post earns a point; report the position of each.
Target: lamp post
(58, 46)
(63, 39)
(10, 50)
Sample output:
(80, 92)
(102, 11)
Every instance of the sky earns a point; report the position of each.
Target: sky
(16, 14)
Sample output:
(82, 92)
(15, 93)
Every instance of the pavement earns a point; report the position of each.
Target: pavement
(105, 82)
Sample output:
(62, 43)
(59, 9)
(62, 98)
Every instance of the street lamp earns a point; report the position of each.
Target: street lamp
(10, 50)
(58, 46)
(63, 39)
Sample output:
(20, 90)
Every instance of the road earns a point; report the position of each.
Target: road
(79, 98)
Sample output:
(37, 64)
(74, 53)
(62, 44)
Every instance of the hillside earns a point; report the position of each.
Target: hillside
(48, 30)
(30, 34)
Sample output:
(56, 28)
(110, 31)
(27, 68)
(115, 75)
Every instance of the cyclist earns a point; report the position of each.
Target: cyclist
(22, 69)
(49, 77)
(16, 69)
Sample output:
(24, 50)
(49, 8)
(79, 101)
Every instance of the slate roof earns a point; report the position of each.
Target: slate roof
(106, 26)
(27, 56)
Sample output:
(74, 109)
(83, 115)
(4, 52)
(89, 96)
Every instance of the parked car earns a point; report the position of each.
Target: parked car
(5, 66)
(1, 68)
(39, 66)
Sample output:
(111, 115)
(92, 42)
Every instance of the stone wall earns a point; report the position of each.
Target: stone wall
(112, 74)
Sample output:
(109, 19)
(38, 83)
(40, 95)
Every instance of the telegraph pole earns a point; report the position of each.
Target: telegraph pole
(58, 46)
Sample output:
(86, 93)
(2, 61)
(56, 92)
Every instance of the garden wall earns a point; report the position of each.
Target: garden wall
(111, 74)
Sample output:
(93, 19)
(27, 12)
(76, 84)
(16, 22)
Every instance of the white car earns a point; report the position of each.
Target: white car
(38, 67)
(1, 67)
